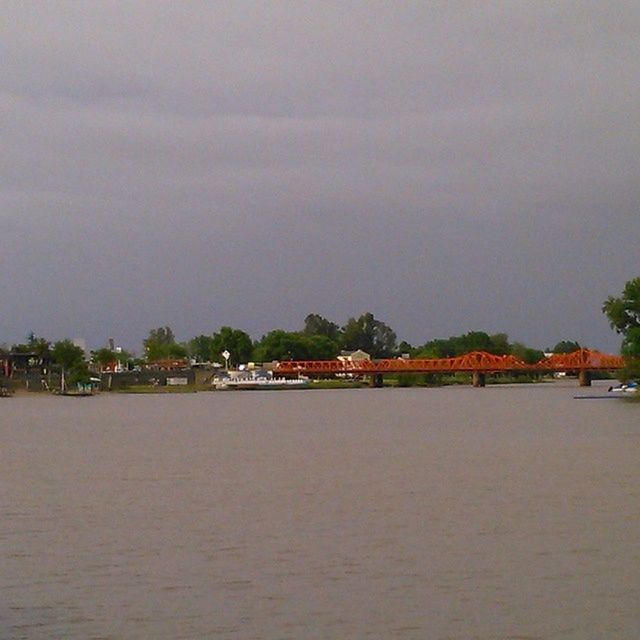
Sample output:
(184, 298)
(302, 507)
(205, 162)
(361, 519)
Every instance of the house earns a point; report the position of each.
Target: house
(354, 356)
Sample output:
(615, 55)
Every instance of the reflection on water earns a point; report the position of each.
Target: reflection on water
(407, 513)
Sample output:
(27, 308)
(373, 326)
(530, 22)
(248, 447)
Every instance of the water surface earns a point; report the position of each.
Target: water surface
(456, 513)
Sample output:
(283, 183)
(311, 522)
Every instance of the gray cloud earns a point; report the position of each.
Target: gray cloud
(449, 166)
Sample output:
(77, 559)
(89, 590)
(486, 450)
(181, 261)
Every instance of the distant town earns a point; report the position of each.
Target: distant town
(364, 348)
(229, 355)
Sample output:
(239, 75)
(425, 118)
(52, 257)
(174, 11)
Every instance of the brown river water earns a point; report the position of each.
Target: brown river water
(454, 513)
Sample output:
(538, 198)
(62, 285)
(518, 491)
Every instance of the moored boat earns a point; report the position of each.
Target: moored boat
(261, 383)
(629, 387)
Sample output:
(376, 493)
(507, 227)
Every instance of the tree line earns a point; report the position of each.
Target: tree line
(318, 339)
(322, 339)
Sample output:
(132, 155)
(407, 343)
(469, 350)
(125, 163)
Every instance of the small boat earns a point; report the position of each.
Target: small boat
(81, 390)
(5, 392)
(77, 393)
(629, 387)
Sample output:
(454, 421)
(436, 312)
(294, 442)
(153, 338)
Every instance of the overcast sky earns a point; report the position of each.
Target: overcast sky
(448, 166)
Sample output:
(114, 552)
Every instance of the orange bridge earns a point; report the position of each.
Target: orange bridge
(478, 363)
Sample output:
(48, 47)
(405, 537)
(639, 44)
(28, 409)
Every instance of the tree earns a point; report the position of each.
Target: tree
(103, 356)
(371, 335)
(471, 341)
(405, 347)
(284, 345)
(160, 344)
(280, 345)
(624, 312)
(210, 348)
(316, 325)
(40, 346)
(631, 343)
(427, 351)
(67, 354)
(500, 344)
(70, 358)
(106, 356)
(631, 352)
(201, 348)
(437, 348)
(526, 354)
(566, 346)
(237, 342)
(34, 344)
(161, 335)
(624, 317)
(322, 347)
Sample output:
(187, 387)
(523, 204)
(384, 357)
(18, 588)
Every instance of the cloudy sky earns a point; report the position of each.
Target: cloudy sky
(449, 166)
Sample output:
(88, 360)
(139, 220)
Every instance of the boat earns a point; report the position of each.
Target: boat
(255, 383)
(629, 387)
(80, 393)
(81, 390)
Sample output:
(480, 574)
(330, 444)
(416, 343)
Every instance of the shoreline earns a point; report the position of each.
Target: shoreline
(327, 384)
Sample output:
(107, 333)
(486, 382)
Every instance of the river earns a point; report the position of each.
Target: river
(453, 513)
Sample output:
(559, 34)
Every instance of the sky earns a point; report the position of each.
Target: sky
(448, 166)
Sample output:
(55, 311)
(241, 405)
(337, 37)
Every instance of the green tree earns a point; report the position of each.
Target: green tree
(437, 348)
(631, 352)
(427, 351)
(160, 344)
(284, 345)
(624, 316)
(371, 335)
(631, 343)
(500, 344)
(70, 358)
(526, 354)
(103, 356)
(201, 348)
(237, 342)
(280, 345)
(322, 347)
(471, 341)
(624, 311)
(566, 346)
(210, 348)
(106, 356)
(66, 354)
(316, 325)
(405, 347)
(40, 347)
(161, 335)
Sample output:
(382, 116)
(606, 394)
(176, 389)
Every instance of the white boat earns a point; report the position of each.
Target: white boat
(629, 387)
(262, 383)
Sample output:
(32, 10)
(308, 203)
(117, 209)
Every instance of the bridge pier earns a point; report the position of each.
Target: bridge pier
(584, 378)
(376, 380)
(479, 379)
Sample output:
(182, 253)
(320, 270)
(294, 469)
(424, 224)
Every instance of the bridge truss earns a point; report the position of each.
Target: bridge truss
(583, 360)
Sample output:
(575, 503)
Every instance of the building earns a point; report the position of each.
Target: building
(354, 356)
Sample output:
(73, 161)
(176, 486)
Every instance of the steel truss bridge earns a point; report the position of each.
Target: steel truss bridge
(478, 363)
